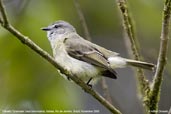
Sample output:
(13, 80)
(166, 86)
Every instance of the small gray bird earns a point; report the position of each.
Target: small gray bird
(86, 60)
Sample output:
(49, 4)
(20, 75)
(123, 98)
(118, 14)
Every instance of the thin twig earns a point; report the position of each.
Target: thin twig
(143, 83)
(3, 12)
(129, 29)
(169, 111)
(25, 40)
(82, 20)
(87, 37)
(1, 21)
(105, 88)
(157, 81)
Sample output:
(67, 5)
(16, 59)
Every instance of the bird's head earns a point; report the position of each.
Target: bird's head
(57, 29)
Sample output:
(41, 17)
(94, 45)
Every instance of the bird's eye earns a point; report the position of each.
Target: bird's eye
(56, 26)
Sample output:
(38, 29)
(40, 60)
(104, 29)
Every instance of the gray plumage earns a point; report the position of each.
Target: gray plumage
(83, 58)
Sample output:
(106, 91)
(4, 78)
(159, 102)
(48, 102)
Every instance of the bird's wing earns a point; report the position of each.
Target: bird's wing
(106, 53)
(83, 50)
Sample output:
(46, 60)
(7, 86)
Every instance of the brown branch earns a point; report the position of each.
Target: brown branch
(129, 28)
(169, 111)
(157, 81)
(106, 92)
(104, 85)
(130, 33)
(1, 21)
(3, 12)
(25, 40)
(82, 20)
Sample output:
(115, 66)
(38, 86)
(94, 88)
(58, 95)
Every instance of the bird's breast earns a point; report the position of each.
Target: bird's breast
(82, 69)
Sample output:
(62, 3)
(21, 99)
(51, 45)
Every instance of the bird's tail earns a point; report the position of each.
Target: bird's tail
(140, 64)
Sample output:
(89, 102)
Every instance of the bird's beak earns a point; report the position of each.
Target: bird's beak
(46, 28)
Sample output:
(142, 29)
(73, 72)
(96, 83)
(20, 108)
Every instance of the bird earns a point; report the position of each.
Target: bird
(87, 60)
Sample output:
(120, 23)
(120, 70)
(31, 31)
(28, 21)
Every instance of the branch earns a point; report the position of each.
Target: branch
(25, 40)
(169, 111)
(82, 20)
(87, 37)
(129, 28)
(1, 22)
(143, 83)
(105, 88)
(157, 81)
(3, 12)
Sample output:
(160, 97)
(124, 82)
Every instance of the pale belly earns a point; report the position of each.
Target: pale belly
(79, 68)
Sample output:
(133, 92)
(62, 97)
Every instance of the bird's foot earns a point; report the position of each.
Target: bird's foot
(88, 83)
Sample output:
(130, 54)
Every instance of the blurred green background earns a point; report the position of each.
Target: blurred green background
(27, 81)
